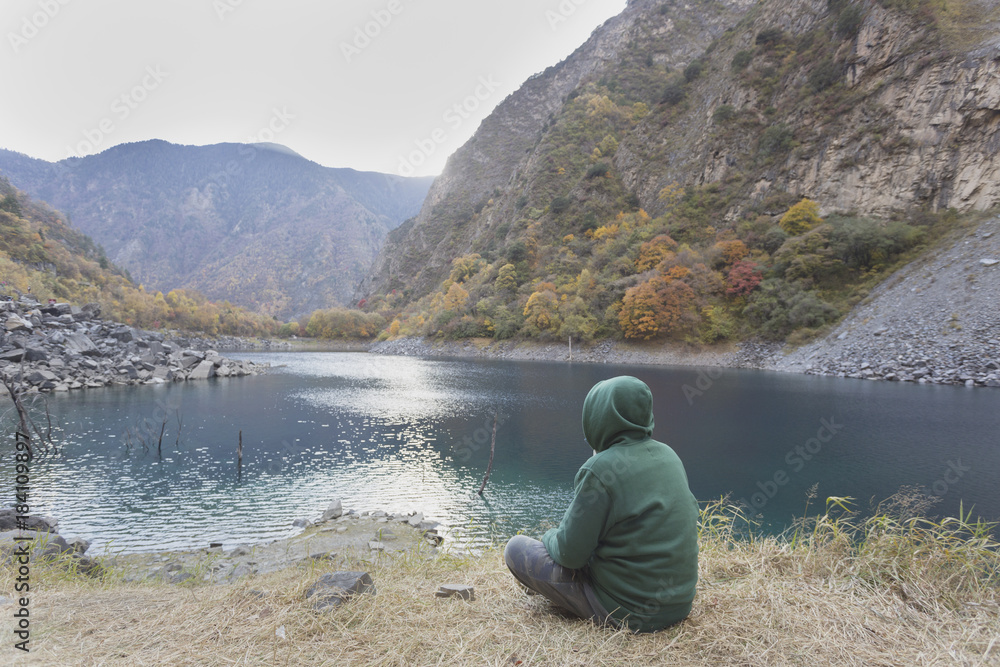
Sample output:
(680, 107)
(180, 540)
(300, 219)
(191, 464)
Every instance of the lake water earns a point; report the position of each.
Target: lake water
(397, 433)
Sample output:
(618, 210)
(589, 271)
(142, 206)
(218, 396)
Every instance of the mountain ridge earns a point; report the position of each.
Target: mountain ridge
(253, 224)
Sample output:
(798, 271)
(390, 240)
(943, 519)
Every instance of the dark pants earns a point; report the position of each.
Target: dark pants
(530, 563)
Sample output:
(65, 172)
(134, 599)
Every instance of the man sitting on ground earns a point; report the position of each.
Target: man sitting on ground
(626, 551)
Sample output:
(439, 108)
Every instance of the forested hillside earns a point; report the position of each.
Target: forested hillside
(708, 171)
(257, 225)
(41, 254)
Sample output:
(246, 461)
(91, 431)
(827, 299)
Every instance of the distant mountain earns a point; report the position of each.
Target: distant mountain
(42, 256)
(257, 225)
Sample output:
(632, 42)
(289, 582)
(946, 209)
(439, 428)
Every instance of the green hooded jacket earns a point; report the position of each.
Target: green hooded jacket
(633, 522)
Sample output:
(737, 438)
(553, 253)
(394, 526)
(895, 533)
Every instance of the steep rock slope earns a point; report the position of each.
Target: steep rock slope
(256, 225)
(863, 108)
(506, 146)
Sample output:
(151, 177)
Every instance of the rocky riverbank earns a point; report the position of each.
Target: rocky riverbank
(62, 347)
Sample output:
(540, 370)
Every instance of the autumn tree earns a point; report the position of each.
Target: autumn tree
(506, 282)
(462, 268)
(541, 313)
(801, 218)
(743, 278)
(654, 251)
(456, 298)
(655, 308)
(733, 251)
(577, 321)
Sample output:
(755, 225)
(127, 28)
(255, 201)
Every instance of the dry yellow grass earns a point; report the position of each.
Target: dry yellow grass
(883, 592)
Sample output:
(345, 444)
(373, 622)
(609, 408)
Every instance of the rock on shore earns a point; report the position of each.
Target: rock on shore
(62, 347)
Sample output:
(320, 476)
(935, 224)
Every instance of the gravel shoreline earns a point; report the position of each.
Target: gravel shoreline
(748, 354)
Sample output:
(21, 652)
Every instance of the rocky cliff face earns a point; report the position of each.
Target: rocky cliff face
(921, 126)
(867, 110)
(506, 146)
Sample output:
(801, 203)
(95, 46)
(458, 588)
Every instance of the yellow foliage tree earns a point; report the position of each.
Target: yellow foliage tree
(801, 218)
(541, 311)
(456, 297)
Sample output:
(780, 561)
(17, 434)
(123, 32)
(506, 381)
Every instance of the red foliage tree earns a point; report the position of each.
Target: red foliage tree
(743, 278)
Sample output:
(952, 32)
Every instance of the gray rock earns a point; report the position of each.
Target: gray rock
(17, 323)
(456, 591)
(39, 377)
(8, 521)
(79, 545)
(57, 309)
(242, 570)
(416, 519)
(13, 356)
(202, 371)
(334, 511)
(332, 590)
(123, 334)
(81, 344)
(989, 262)
(49, 544)
(301, 523)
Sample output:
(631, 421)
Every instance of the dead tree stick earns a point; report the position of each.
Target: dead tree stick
(493, 449)
(159, 444)
(239, 457)
(22, 414)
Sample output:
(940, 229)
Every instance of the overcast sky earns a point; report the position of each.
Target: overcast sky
(369, 84)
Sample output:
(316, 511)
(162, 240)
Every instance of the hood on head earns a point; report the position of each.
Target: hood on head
(617, 410)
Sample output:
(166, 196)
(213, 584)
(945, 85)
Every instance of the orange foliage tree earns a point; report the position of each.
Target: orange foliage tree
(654, 251)
(658, 307)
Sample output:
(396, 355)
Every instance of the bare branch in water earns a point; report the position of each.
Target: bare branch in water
(493, 448)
